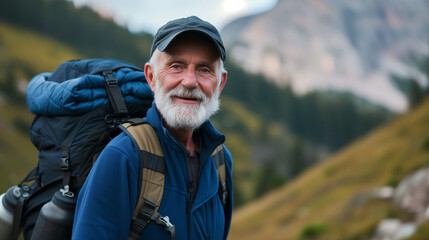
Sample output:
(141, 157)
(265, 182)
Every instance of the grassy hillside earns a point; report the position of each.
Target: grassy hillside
(31, 49)
(317, 205)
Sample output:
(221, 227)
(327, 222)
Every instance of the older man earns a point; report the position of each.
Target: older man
(186, 74)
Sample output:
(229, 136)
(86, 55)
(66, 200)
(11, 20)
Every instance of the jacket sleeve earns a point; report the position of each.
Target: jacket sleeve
(230, 203)
(108, 197)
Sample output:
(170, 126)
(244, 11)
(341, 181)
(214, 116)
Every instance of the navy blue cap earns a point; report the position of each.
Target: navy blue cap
(173, 28)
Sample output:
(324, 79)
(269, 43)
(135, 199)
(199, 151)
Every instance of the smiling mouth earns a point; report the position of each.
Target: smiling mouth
(190, 98)
(187, 99)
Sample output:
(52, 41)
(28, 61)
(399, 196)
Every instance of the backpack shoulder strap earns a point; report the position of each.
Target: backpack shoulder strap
(151, 177)
(219, 160)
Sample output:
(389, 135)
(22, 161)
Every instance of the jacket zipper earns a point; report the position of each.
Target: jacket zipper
(189, 195)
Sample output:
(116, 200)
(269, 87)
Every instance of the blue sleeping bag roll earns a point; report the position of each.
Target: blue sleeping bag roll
(56, 94)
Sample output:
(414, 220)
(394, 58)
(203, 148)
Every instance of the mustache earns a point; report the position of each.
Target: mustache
(186, 93)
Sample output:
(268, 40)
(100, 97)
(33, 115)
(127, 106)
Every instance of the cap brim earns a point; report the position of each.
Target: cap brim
(166, 42)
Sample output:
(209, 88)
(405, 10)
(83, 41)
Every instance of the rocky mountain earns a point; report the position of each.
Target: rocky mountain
(352, 46)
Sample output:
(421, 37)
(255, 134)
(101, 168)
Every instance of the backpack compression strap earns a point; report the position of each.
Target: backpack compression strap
(151, 177)
(114, 94)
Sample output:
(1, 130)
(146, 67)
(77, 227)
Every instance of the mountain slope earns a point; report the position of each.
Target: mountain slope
(320, 200)
(80, 28)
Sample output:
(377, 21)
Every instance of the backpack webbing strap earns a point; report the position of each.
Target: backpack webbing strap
(147, 213)
(65, 163)
(152, 178)
(219, 160)
(114, 93)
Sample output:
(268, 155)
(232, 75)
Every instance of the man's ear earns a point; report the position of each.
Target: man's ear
(149, 74)
(223, 81)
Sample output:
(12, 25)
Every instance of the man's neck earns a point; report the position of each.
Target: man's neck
(183, 136)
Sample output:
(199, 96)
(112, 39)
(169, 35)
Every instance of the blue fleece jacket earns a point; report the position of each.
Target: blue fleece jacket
(108, 198)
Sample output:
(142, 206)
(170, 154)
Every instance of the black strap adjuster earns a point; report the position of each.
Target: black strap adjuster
(148, 212)
(114, 93)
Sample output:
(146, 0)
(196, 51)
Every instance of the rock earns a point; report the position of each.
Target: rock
(394, 229)
(386, 229)
(412, 194)
(405, 230)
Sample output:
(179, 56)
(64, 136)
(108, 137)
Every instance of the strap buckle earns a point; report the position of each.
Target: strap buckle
(66, 192)
(110, 78)
(166, 222)
(65, 160)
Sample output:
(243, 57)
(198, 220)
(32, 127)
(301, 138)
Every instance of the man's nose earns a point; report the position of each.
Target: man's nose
(190, 79)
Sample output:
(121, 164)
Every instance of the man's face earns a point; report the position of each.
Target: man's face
(187, 82)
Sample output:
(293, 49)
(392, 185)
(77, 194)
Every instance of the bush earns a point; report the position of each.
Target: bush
(312, 231)
(425, 144)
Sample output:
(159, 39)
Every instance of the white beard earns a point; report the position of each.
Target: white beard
(185, 116)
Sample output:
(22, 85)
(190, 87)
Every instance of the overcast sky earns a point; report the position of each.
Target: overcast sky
(149, 15)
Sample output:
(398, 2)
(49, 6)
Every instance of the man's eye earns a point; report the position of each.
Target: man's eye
(175, 66)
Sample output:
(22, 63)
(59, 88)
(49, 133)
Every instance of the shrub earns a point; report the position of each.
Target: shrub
(425, 144)
(312, 231)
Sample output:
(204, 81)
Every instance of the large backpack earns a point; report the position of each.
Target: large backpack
(79, 108)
